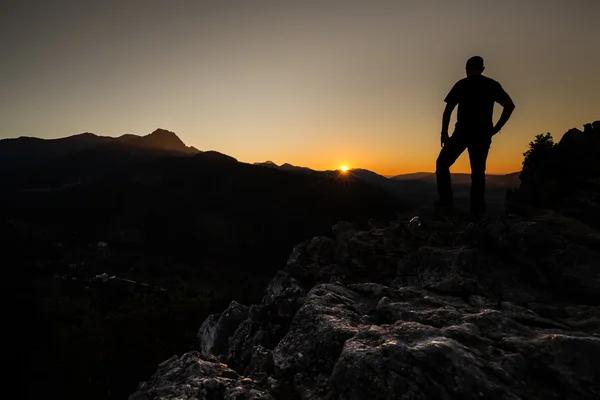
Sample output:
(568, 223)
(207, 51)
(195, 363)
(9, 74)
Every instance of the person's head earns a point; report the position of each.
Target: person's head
(474, 66)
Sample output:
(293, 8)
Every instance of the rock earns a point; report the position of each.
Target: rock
(565, 176)
(450, 271)
(195, 377)
(415, 362)
(374, 290)
(332, 273)
(284, 293)
(496, 231)
(505, 309)
(497, 325)
(217, 328)
(257, 330)
(265, 324)
(343, 229)
(581, 281)
(370, 256)
(307, 260)
(571, 228)
(534, 239)
(307, 353)
(411, 312)
(420, 362)
(261, 364)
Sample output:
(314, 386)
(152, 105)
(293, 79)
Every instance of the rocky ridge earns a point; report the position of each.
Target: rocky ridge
(566, 176)
(505, 309)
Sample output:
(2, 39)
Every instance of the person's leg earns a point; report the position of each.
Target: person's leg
(478, 152)
(448, 155)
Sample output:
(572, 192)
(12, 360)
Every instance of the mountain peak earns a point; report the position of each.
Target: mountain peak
(267, 164)
(164, 134)
(164, 140)
(160, 131)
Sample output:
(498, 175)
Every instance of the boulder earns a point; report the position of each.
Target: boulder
(195, 377)
(215, 331)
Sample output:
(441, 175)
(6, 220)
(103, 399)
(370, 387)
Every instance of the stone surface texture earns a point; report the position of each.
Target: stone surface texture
(508, 308)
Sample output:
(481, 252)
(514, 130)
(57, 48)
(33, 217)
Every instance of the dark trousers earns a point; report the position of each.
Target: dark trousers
(479, 148)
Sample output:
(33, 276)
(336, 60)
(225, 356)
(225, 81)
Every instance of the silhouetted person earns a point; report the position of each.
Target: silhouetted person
(475, 96)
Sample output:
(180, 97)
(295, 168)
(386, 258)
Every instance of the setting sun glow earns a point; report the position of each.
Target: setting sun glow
(344, 168)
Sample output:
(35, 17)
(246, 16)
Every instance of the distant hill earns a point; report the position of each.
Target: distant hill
(38, 164)
(26, 152)
(506, 181)
(294, 168)
(270, 164)
(419, 187)
(414, 175)
(290, 168)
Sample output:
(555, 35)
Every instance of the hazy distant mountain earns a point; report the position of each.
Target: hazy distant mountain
(419, 187)
(290, 168)
(414, 175)
(508, 180)
(212, 155)
(367, 176)
(378, 180)
(270, 164)
(294, 168)
(25, 152)
(31, 163)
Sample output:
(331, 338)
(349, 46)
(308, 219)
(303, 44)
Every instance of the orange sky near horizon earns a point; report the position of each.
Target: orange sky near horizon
(313, 83)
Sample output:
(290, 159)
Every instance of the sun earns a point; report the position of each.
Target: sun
(344, 168)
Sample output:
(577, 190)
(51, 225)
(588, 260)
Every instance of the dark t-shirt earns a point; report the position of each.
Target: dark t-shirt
(475, 96)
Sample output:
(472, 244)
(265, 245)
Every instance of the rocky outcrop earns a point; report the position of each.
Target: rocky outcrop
(505, 309)
(566, 177)
(193, 376)
(216, 329)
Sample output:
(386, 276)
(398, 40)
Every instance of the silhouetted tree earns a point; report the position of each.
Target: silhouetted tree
(538, 166)
(538, 148)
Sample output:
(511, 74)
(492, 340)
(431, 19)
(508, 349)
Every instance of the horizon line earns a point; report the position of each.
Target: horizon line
(387, 175)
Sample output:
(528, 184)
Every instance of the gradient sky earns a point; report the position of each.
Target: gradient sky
(313, 83)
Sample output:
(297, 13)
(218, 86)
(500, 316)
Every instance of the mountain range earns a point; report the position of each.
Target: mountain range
(421, 187)
(24, 152)
(33, 163)
(36, 164)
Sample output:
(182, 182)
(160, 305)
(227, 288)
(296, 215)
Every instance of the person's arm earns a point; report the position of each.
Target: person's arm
(508, 108)
(446, 121)
(451, 100)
